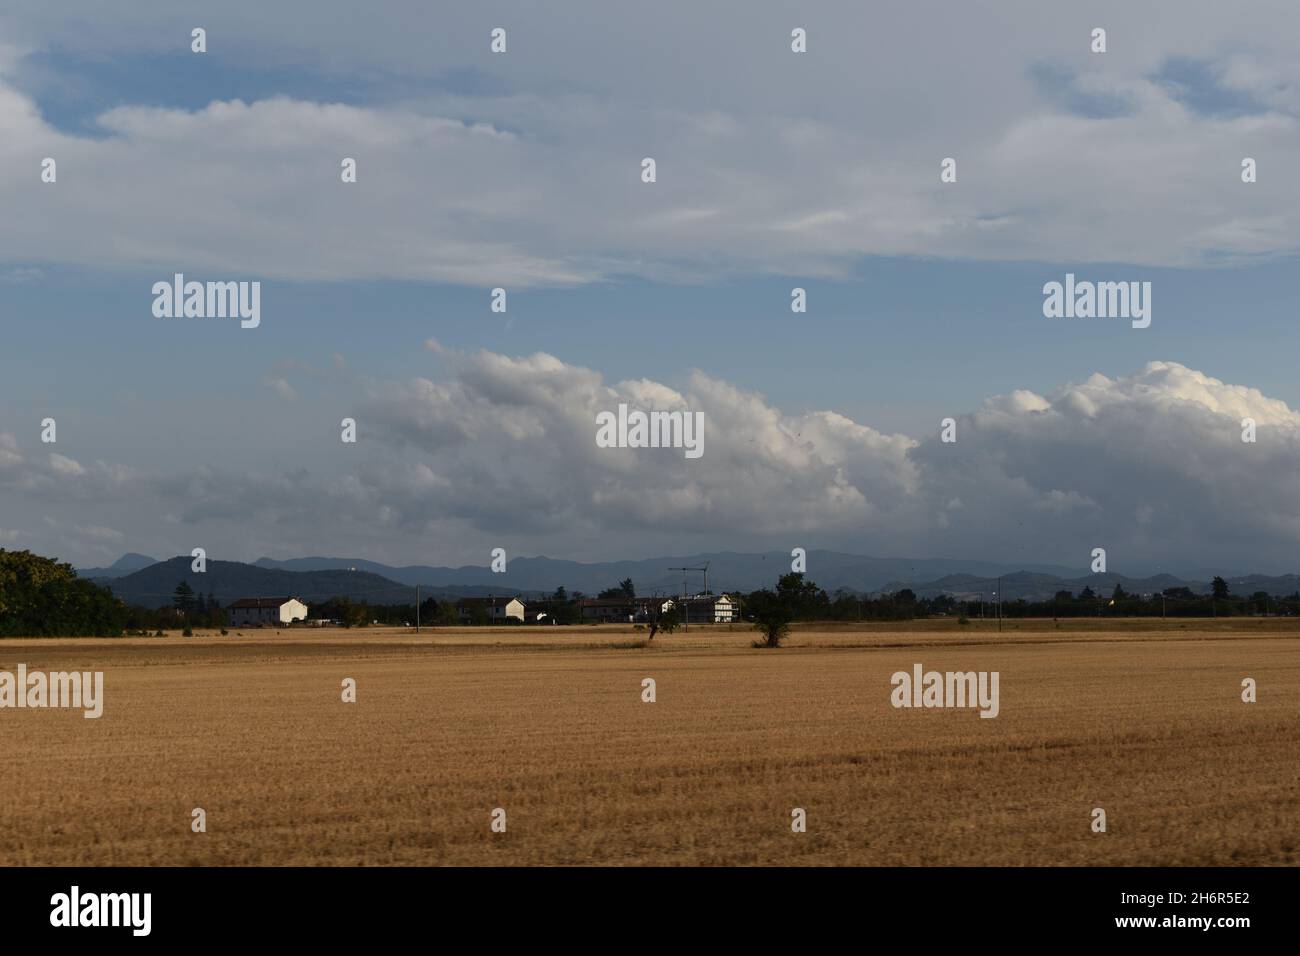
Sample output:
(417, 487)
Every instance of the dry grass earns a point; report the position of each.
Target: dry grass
(1142, 719)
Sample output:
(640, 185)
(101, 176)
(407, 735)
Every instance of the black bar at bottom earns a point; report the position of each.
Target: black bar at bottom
(369, 905)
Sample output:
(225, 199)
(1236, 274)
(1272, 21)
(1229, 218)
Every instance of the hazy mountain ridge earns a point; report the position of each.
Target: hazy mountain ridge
(728, 571)
(319, 578)
(228, 581)
(126, 564)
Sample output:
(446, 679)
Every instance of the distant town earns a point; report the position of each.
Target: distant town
(42, 597)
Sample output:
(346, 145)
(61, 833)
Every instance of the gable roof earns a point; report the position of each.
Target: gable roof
(486, 601)
(263, 602)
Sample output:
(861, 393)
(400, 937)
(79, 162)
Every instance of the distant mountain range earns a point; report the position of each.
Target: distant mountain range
(228, 581)
(141, 580)
(124, 565)
(728, 571)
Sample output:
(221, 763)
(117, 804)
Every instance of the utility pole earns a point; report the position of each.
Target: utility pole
(686, 609)
(417, 609)
(998, 595)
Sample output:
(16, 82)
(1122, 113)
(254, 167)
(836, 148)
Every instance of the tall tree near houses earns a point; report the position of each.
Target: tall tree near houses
(183, 598)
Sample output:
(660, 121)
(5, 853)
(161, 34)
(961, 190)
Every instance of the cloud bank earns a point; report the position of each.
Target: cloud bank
(500, 451)
(523, 169)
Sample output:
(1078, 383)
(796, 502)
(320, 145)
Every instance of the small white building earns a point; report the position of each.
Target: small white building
(498, 609)
(710, 609)
(266, 612)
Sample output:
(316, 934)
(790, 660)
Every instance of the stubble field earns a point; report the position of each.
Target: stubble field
(1141, 719)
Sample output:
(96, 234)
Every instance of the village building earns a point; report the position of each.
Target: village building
(710, 609)
(499, 610)
(266, 612)
(624, 610)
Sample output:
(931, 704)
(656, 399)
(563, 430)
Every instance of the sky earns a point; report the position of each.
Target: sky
(775, 170)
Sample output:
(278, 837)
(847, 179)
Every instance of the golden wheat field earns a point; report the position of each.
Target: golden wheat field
(1142, 719)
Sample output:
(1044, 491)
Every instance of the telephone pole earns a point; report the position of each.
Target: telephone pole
(686, 608)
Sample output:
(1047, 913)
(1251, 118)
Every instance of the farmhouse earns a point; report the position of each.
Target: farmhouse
(266, 612)
(624, 610)
(497, 609)
(710, 609)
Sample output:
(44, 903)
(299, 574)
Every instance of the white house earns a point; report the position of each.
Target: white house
(266, 612)
(498, 609)
(710, 609)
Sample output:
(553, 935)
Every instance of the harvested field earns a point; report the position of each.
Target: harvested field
(1141, 718)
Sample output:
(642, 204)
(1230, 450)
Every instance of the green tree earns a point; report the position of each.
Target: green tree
(773, 611)
(1219, 587)
(183, 598)
(804, 599)
(624, 590)
(666, 621)
(42, 597)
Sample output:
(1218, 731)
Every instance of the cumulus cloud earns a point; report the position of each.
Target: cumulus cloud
(1150, 465)
(500, 450)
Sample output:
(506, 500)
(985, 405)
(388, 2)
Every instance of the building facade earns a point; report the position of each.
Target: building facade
(497, 609)
(266, 612)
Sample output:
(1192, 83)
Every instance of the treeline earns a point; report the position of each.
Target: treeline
(558, 607)
(807, 602)
(798, 599)
(1171, 602)
(41, 597)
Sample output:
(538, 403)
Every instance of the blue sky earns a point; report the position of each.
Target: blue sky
(976, 327)
(776, 170)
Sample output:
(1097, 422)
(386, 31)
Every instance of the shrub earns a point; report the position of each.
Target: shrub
(773, 614)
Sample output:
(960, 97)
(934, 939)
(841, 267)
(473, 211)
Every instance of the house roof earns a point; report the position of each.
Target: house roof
(624, 601)
(262, 602)
(486, 602)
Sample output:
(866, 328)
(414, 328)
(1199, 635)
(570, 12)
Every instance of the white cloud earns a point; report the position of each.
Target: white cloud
(62, 465)
(281, 387)
(792, 164)
(498, 450)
